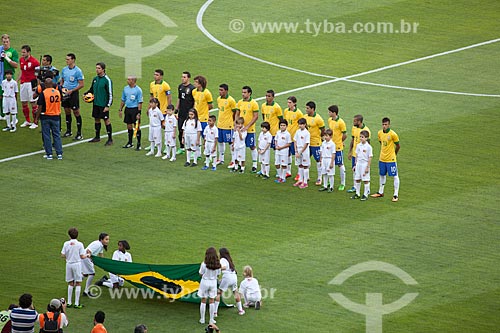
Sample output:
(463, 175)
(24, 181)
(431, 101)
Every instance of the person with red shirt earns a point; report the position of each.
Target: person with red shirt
(28, 82)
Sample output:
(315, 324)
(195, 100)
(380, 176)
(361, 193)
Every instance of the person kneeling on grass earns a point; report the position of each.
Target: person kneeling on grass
(250, 289)
(121, 254)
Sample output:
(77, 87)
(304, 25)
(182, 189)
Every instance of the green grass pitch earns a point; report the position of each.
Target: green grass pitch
(444, 232)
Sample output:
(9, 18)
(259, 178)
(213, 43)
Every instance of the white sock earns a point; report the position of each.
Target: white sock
(88, 283)
(238, 305)
(188, 155)
(342, 175)
(158, 148)
(396, 185)
(216, 306)
(222, 149)
(255, 154)
(70, 294)
(382, 184)
(289, 166)
(267, 169)
(306, 175)
(301, 175)
(318, 168)
(211, 310)
(332, 181)
(357, 186)
(78, 291)
(8, 120)
(207, 161)
(325, 180)
(108, 284)
(367, 189)
(203, 308)
(174, 151)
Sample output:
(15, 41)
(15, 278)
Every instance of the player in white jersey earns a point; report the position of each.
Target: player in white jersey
(250, 289)
(209, 270)
(155, 121)
(327, 158)
(264, 149)
(192, 134)
(121, 254)
(364, 154)
(238, 146)
(282, 143)
(210, 135)
(9, 101)
(96, 248)
(229, 280)
(73, 251)
(170, 128)
(302, 141)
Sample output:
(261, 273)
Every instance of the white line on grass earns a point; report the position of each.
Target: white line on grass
(199, 23)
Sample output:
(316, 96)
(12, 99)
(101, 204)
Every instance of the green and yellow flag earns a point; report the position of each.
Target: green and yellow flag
(171, 281)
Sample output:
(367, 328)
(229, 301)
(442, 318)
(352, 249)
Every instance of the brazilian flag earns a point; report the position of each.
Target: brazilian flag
(180, 282)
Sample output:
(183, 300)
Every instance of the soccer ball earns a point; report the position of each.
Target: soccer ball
(65, 95)
(88, 98)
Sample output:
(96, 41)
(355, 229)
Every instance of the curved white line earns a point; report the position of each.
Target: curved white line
(199, 23)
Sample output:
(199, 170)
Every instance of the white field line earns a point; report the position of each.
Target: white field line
(199, 23)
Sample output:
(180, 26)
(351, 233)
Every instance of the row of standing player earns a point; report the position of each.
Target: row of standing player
(314, 141)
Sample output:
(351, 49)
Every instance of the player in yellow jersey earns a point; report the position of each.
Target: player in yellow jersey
(161, 90)
(203, 103)
(357, 127)
(292, 114)
(248, 109)
(339, 129)
(316, 127)
(272, 113)
(225, 123)
(389, 148)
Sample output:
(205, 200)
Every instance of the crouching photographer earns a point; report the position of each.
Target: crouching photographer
(54, 320)
(212, 328)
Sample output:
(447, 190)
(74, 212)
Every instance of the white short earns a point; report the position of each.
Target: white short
(9, 105)
(359, 172)
(27, 92)
(265, 158)
(325, 167)
(240, 154)
(208, 288)
(209, 146)
(74, 272)
(170, 139)
(190, 141)
(155, 135)
(280, 159)
(303, 159)
(116, 279)
(228, 281)
(87, 266)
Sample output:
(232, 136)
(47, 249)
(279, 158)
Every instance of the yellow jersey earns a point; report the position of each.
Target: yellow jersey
(339, 128)
(227, 106)
(160, 91)
(272, 113)
(388, 141)
(202, 99)
(292, 117)
(247, 110)
(355, 136)
(315, 124)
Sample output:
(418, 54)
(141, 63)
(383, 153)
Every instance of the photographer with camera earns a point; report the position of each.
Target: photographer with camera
(212, 328)
(54, 320)
(72, 81)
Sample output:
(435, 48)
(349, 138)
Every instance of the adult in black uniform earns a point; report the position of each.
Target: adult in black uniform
(185, 102)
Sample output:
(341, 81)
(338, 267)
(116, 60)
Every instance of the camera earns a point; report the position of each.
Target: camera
(42, 72)
(211, 328)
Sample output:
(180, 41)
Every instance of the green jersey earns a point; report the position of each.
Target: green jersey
(102, 89)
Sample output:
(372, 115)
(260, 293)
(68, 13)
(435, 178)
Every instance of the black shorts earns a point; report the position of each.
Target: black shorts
(130, 115)
(98, 112)
(72, 102)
